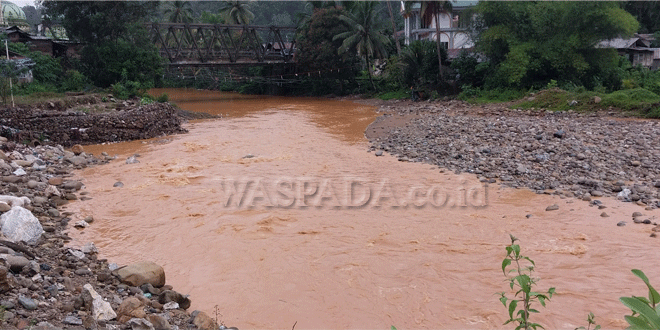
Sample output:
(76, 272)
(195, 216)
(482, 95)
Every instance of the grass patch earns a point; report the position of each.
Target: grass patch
(394, 95)
(38, 97)
(480, 96)
(638, 101)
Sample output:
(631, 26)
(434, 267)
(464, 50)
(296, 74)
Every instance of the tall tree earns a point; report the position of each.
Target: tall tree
(647, 14)
(530, 42)
(316, 51)
(364, 35)
(178, 11)
(398, 45)
(431, 9)
(116, 41)
(94, 21)
(237, 12)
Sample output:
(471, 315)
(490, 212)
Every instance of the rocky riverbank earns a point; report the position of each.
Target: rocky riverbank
(44, 283)
(583, 155)
(89, 119)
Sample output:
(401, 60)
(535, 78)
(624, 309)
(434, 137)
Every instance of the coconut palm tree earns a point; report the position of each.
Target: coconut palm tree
(363, 35)
(398, 46)
(436, 7)
(237, 12)
(178, 12)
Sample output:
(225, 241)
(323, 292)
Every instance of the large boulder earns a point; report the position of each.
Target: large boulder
(19, 224)
(101, 309)
(142, 272)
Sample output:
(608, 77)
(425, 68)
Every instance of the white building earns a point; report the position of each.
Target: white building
(452, 35)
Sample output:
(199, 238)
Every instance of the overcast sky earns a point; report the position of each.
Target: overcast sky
(23, 3)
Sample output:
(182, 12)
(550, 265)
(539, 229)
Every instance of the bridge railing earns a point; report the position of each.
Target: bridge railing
(222, 44)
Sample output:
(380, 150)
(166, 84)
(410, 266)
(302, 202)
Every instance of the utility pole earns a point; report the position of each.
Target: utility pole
(11, 88)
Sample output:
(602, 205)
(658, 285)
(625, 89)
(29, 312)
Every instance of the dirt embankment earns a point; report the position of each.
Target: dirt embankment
(90, 119)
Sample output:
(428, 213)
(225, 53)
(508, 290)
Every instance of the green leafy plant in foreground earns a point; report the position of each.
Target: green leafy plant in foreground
(522, 280)
(591, 319)
(645, 312)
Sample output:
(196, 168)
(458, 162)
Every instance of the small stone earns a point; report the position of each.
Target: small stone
(171, 305)
(600, 207)
(4, 207)
(77, 254)
(637, 214)
(635, 163)
(379, 153)
(118, 184)
(559, 134)
(55, 181)
(621, 223)
(81, 224)
(140, 324)
(72, 320)
(27, 303)
(77, 149)
(604, 215)
(552, 207)
(528, 216)
(132, 160)
(101, 309)
(53, 212)
(89, 248)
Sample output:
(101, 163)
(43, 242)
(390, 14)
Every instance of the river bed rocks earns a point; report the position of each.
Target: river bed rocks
(565, 153)
(126, 120)
(47, 284)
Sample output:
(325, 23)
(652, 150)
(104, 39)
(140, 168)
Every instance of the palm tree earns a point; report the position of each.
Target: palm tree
(237, 12)
(363, 35)
(179, 12)
(398, 46)
(436, 7)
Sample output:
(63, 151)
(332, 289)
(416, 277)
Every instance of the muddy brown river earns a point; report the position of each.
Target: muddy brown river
(277, 214)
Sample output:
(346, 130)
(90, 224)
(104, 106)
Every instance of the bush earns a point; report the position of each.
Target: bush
(162, 98)
(134, 58)
(74, 81)
(127, 89)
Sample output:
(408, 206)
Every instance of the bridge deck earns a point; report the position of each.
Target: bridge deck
(184, 44)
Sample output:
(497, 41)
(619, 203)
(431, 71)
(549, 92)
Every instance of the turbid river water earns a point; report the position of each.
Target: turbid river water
(321, 236)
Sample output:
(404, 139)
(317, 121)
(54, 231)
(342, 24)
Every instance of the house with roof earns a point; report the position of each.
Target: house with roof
(46, 45)
(637, 50)
(422, 25)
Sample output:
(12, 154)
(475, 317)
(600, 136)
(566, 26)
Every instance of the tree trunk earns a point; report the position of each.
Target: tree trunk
(437, 39)
(369, 72)
(396, 40)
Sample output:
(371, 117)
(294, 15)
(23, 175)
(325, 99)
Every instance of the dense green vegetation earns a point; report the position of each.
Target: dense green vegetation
(348, 47)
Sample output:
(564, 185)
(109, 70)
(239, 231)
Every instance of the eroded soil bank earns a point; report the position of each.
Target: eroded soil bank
(89, 119)
(288, 256)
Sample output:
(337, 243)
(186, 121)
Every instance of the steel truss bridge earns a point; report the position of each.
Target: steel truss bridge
(218, 45)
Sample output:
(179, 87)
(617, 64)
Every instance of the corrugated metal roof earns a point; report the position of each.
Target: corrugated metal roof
(617, 43)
